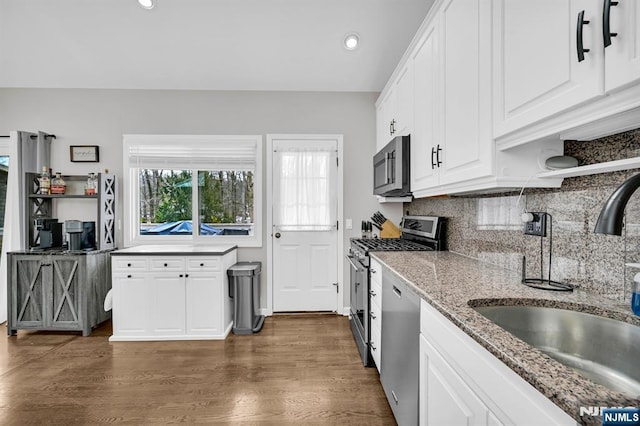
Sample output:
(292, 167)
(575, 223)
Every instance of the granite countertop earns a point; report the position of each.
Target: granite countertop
(176, 250)
(60, 251)
(452, 283)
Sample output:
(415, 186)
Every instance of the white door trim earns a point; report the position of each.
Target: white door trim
(269, 221)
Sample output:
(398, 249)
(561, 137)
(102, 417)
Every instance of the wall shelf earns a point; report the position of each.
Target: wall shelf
(394, 199)
(592, 169)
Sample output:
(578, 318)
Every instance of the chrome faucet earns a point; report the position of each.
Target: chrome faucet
(611, 215)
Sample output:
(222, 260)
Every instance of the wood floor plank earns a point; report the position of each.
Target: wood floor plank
(300, 369)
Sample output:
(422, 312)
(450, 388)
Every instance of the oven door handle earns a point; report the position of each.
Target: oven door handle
(353, 265)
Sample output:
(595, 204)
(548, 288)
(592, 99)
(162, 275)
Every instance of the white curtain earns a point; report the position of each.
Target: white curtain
(304, 200)
(26, 154)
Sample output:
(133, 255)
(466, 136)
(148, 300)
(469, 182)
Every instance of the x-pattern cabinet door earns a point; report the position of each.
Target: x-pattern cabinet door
(28, 281)
(65, 308)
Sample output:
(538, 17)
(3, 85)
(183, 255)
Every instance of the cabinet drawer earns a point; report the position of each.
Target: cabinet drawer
(167, 264)
(375, 292)
(123, 264)
(203, 264)
(375, 271)
(375, 314)
(376, 345)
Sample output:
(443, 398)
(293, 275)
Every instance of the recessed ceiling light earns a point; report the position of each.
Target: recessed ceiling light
(147, 4)
(351, 41)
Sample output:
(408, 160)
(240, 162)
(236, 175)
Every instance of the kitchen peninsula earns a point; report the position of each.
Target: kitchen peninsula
(172, 292)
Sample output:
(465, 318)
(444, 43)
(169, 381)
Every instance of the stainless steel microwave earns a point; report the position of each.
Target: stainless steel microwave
(391, 167)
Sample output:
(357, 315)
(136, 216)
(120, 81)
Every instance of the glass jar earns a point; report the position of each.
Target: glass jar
(91, 187)
(44, 182)
(58, 185)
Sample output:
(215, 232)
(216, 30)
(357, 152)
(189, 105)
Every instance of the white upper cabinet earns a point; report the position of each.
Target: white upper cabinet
(565, 69)
(537, 69)
(425, 136)
(622, 56)
(466, 141)
(394, 112)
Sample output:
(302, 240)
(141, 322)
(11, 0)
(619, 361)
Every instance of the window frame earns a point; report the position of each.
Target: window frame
(131, 193)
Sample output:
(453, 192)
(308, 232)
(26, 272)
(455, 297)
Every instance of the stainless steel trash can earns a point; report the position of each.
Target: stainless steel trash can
(244, 289)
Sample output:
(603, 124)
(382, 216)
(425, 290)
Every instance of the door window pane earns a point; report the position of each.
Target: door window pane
(305, 201)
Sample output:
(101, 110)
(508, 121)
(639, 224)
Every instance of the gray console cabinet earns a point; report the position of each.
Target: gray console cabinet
(57, 291)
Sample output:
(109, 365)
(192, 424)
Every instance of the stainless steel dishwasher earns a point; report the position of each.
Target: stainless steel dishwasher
(400, 348)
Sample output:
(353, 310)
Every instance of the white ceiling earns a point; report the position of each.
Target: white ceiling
(204, 44)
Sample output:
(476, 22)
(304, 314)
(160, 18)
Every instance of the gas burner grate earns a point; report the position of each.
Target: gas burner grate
(390, 244)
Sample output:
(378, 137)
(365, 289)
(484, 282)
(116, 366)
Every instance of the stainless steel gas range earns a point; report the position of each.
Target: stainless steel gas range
(418, 233)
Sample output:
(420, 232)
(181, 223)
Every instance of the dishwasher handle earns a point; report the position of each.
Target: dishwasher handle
(353, 265)
(397, 291)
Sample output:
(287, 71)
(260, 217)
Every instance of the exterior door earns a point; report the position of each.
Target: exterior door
(304, 234)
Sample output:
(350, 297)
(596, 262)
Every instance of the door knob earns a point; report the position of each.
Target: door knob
(277, 235)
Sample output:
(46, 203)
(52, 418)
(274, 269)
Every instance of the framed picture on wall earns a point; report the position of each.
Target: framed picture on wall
(84, 153)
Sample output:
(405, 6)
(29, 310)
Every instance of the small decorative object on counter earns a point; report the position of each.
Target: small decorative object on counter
(58, 185)
(45, 181)
(91, 187)
(635, 295)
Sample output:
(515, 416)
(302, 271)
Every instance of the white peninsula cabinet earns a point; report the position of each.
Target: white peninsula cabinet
(171, 293)
(462, 383)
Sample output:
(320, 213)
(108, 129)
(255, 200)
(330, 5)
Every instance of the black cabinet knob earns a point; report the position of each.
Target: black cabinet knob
(202, 264)
(128, 265)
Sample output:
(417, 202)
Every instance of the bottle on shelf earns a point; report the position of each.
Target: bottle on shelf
(58, 185)
(91, 187)
(44, 182)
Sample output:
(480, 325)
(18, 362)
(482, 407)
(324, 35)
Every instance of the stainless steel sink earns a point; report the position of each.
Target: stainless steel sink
(603, 350)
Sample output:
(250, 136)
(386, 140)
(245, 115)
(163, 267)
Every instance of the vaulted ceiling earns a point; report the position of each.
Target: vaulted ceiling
(204, 44)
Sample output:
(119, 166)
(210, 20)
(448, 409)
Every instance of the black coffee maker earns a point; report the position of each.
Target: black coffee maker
(82, 235)
(49, 233)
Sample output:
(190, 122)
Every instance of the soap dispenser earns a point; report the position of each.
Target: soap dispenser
(635, 295)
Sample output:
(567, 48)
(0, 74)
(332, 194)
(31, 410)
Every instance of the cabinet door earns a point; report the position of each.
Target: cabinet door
(424, 139)
(445, 399)
(384, 115)
(466, 78)
(403, 103)
(622, 57)
(28, 276)
(65, 307)
(536, 62)
(131, 304)
(204, 302)
(168, 303)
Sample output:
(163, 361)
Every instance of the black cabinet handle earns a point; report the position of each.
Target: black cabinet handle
(372, 315)
(438, 151)
(433, 155)
(393, 125)
(186, 275)
(390, 128)
(606, 22)
(128, 276)
(202, 264)
(128, 265)
(181, 275)
(372, 293)
(165, 265)
(373, 347)
(579, 44)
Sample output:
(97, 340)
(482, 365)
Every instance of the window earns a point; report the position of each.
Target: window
(193, 189)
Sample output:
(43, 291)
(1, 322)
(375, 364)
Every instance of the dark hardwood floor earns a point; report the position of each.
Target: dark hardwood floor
(300, 369)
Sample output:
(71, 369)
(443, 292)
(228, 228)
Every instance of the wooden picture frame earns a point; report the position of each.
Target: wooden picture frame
(84, 153)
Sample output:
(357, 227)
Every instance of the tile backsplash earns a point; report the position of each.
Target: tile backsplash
(489, 228)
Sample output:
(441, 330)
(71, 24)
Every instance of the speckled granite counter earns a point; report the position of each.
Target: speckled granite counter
(176, 250)
(453, 283)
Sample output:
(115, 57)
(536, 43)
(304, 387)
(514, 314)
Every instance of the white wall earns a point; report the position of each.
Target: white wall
(101, 117)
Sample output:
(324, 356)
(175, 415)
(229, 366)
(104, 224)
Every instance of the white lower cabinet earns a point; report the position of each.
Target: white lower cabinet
(375, 309)
(463, 383)
(166, 297)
